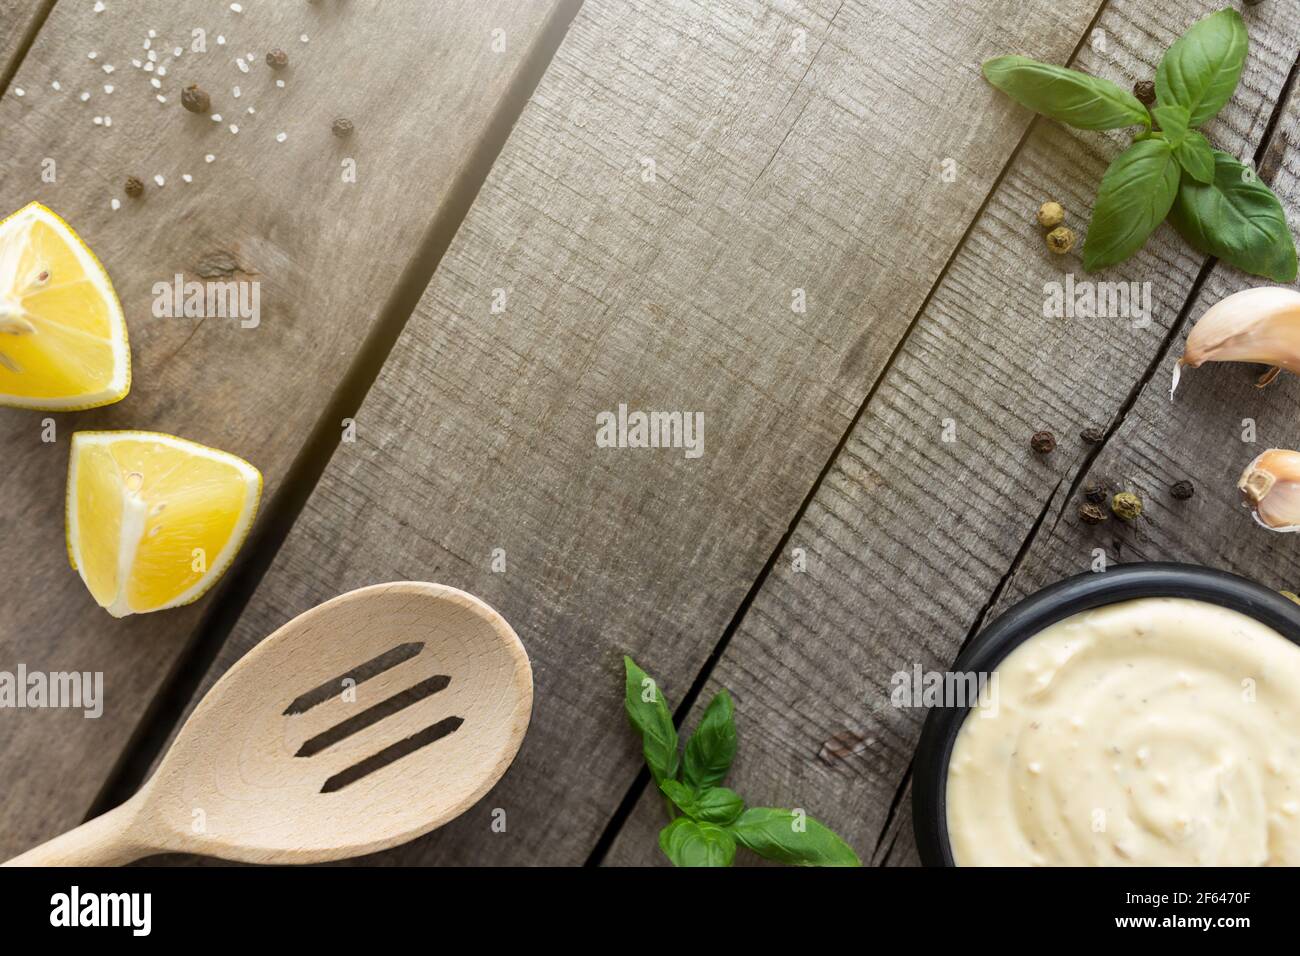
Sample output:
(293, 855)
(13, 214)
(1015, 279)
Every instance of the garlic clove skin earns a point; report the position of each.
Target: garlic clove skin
(1271, 486)
(1257, 325)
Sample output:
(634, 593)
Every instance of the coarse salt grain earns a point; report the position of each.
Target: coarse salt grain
(235, 92)
(98, 121)
(216, 117)
(280, 83)
(281, 137)
(84, 96)
(91, 55)
(147, 44)
(148, 67)
(136, 63)
(234, 128)
(19, 91)
(161, 98)
(160, 181)
(243, 67)
(55, 85)
(156, 83)
(153, 56)
(153, 34)
(177, 51)
(303, 38)
(221, 41)
(108, 87)
(116, 204)
(162, 71)
(209, 158)
(236, 8)
(251, 111)
(187, 177)
(98, 7)
(108, 121)
(108, 67)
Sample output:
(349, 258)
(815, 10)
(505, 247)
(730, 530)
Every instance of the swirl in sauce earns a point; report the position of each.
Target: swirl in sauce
(1155, 732)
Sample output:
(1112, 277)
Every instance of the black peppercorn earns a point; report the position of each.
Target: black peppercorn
(1092, 434)
(1182, 490)
(1145, 91)
(1097, 494)
(1043, 442)
(277, 59)
(342, 128)
(134, 187)
(195, 99)
(1091, 514)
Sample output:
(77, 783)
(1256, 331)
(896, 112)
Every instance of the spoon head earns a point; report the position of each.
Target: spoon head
(361, 724)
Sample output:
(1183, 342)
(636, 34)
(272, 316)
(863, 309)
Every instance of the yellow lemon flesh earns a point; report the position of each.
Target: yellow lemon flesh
(154, 520)
(62, 336)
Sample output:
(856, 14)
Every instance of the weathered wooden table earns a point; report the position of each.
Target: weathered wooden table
(561, 207)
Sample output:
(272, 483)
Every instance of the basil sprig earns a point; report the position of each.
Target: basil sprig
(1171, 170)
(713, 819)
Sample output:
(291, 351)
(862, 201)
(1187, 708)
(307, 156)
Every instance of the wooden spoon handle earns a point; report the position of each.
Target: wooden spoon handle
(103, 841)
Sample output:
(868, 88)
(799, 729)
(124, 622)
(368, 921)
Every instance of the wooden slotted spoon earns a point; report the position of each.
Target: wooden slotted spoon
(359, 725)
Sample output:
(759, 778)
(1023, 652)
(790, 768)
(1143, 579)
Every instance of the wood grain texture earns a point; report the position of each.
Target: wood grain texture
(795, 146)
(420, 81)
(18, 18)
(909, 534)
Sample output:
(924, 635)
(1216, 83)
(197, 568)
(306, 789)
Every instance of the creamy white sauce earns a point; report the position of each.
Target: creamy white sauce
(1156, 732)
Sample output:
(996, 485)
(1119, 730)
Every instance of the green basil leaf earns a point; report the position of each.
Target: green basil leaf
(712, 747)
(1134, 198)
(1196, 157)
(652, 719)
(1083, 101)
(688, 843)
(1200, 71)
(711, 805)
(790, 836)
(1238, 219)
(1173, 122)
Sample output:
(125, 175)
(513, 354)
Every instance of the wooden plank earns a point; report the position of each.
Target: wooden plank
(422, 83)
(18, 20)
(909, 534)
(795, 146)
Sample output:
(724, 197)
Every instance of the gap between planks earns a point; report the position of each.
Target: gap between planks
(165, 712)
(637, 789)
(10, 69)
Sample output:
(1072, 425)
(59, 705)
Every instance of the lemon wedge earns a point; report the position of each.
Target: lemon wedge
(153, 521)
(62, 335)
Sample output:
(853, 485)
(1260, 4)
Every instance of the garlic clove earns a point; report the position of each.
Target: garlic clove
(1257, 325)
(1271, 486)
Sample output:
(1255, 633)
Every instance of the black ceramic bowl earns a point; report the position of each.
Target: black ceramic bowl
(1052, 604)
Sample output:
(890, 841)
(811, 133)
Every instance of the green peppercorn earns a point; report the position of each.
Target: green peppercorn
(1127, 506)
(1060, 240)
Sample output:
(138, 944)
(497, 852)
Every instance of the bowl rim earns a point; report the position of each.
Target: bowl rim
(1047, 606)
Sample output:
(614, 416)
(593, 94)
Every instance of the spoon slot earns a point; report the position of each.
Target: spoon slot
(359, 674)
(392, 753)
(372, 715)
